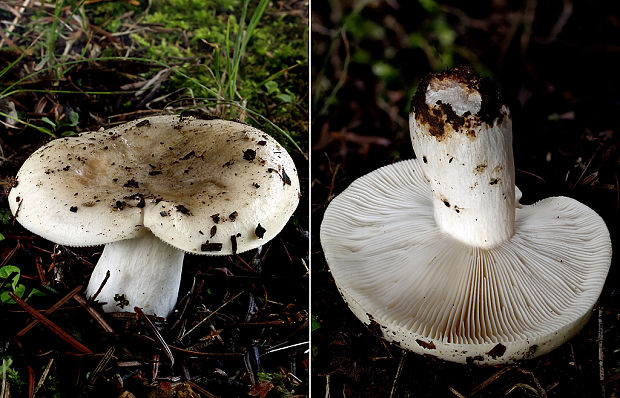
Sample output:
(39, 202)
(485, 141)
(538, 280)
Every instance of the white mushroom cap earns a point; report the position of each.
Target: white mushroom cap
(439, 251)
(152, 190)
(181, 178)
(435, 295)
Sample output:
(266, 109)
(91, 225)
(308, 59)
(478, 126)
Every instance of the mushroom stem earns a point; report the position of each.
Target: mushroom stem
(144, 272)
(462, 135)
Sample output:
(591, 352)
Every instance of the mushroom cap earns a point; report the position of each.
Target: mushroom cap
(438, 296)
(202, 186)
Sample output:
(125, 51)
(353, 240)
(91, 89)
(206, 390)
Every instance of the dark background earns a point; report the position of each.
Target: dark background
(557, 64)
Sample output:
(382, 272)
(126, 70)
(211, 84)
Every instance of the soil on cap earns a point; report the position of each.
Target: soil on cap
(442, 119)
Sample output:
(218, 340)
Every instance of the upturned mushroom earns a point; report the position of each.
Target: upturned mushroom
(152, 190)
(438, 251)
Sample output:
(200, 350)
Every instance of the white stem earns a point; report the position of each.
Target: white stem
(145, 270)
(463, 137)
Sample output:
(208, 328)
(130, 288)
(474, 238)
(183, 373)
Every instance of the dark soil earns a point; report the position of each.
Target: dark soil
(560, 79)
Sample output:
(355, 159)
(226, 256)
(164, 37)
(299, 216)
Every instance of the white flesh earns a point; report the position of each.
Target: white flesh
(145, 270)
(470, 170)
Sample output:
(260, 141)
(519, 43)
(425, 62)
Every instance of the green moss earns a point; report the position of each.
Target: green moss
(196, 32)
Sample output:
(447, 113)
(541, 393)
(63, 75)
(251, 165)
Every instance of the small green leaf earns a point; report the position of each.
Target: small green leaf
(5, 365)
(19, 290)
(315, 323)
(7, 270)
(48, 121)
(36, 292)
(5, 298)
(74, 118)
(271, 87)
(1, 237)
(285, 98)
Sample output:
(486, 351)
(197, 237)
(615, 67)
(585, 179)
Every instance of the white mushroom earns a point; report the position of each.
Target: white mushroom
(151, 190)
(439, 252)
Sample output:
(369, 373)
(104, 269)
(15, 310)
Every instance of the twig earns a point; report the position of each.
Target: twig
(488, 381)
(286, 347)
(210, 315)
(7, 279)
(333, 183)
(531, 174)
(567, 11)
(19, 206)
(204, 354)
(584, 171)
(30, 381)
(50, 325)
(327, 377)
(53, 308)
(158, 335)
(200, 389)
(523, 386)
(93, 312)
(398, 372)
(94, 296)
(458, 394)
(11, 254)
(246, 264)
(103, 362)
(542, 392)
(43, 376)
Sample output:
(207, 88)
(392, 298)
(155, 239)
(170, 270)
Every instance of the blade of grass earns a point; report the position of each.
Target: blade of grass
(258, 115)
(101, 59)
(232, 80)
(41, 129)
(6, 92)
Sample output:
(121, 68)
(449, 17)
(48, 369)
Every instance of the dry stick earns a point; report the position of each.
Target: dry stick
(204, 354)
(101, 366)
(200, 389)
(398, 372)
(30, 381)
(43, 376)
(93, 312)
(7, 279)
(541, 390)
(51, 325)
(523, 386)
(531, 174)
(601, 358)
(209, 316)
(158, 335)
(11, 253)
(458, 394)
(246, 264)
(94, 296)
(53, 308)
(327, 377)
(488, 381)
(19, 206)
